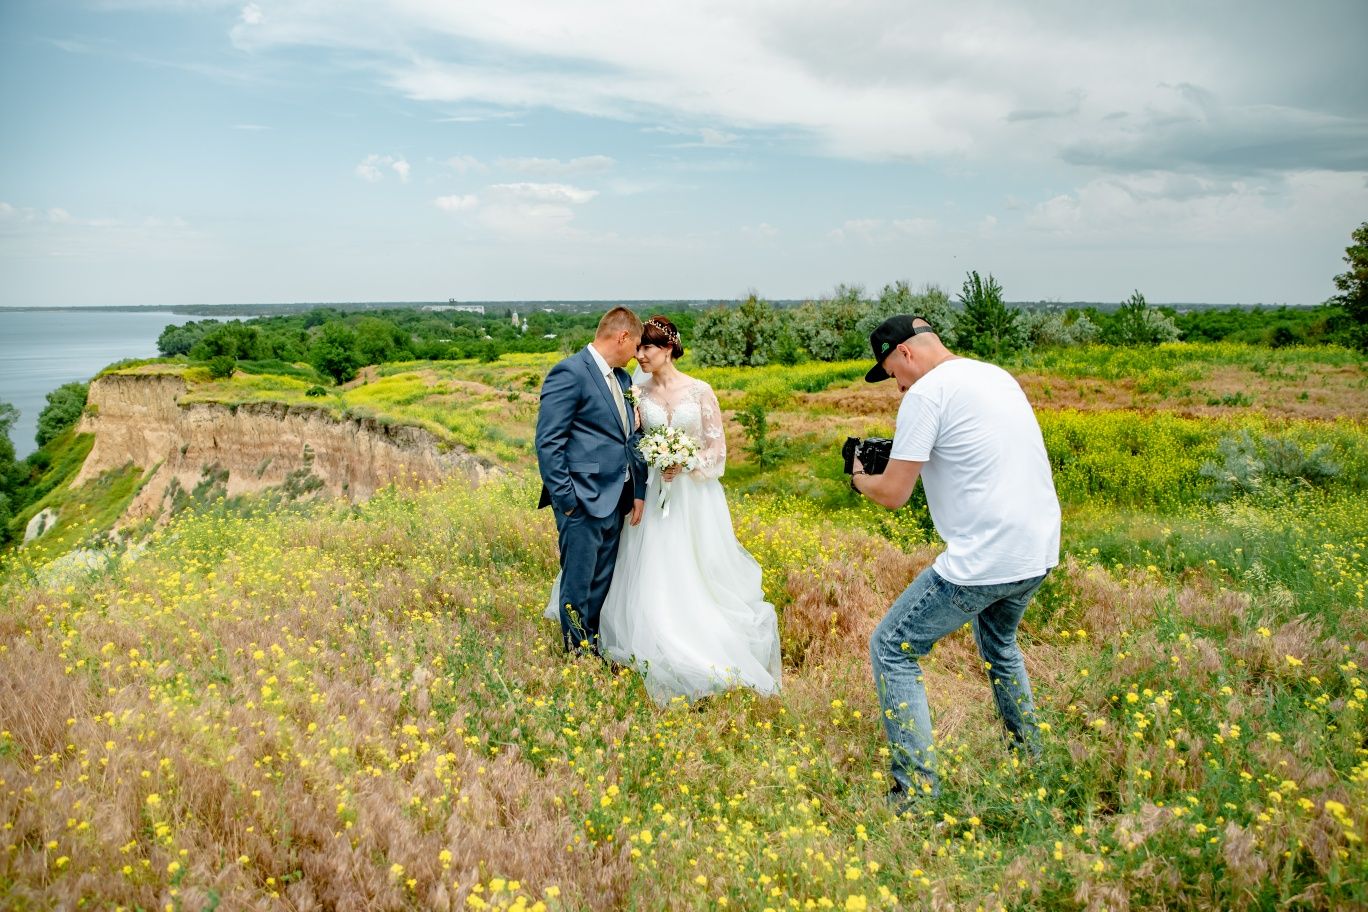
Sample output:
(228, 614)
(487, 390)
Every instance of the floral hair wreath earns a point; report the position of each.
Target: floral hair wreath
(670, 332)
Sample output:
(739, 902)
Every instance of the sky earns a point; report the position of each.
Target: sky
(201, 152)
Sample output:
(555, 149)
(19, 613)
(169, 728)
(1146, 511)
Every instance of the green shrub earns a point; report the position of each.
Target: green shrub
(1249, 465)
(753, 416)
(63, 409)
(222, 366)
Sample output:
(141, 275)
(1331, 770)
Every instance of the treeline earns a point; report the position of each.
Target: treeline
(752, 332)
(979, 321)
(338, 344)
(756, 332)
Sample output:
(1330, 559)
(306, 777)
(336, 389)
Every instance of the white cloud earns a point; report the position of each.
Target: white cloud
(250, 127)
(761, 232)
(54, 215)
(518, 209)
(371, 168)
(545, 193)
(527, 210)
(1187, 126)
(457, 202)
(368, 169)
(463, 164)
(915, 227)
(877, 231)
(879, 79)
(1159, 205)
(874, 79)
(57, 232)
(927, 79)
(553, 166)
(861, 229)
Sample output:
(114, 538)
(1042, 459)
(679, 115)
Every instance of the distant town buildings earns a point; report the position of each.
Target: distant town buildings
(452, 305)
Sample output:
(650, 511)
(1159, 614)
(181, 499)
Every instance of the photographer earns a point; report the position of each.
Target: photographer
(966, 429)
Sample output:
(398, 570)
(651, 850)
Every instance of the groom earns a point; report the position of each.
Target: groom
(592, 474)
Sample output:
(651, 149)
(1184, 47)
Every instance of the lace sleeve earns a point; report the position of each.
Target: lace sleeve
(712, 460)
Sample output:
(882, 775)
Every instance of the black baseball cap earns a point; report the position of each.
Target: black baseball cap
(889, 335)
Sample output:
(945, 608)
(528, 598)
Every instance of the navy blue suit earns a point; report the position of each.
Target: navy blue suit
(591, 472)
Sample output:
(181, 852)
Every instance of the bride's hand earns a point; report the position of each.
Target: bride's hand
(672, 472)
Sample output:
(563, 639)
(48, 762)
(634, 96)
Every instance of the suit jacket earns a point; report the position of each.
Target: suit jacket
(583, 453)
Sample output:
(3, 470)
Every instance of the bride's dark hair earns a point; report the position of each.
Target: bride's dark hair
(661, 333)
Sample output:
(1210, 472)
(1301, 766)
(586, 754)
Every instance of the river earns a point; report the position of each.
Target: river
(42, 349)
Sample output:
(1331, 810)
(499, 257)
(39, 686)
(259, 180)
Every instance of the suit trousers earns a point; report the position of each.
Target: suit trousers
(588, 554)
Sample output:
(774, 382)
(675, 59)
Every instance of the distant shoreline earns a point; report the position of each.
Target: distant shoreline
(281, 309)
(277, 309)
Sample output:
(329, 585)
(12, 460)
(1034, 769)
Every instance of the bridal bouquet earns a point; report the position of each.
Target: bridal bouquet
(667, 446)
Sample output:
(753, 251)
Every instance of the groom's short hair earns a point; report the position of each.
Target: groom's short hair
(619, 319)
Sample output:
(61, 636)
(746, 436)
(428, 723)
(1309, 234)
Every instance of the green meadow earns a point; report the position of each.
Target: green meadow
(320, 705)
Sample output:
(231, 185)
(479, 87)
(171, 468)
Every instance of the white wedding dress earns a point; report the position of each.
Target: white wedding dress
(686, 607)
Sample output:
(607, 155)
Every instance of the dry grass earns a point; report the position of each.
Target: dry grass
(363, 710)
(1314, 392)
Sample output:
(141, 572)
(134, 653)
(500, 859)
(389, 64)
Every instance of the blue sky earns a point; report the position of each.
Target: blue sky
(183, 152)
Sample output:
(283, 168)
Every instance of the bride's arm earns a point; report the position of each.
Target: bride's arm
(712, 456)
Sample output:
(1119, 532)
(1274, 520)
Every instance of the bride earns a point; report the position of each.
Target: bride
(686, 607)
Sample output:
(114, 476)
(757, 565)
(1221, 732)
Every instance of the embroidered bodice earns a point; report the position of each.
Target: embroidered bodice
(694, 410)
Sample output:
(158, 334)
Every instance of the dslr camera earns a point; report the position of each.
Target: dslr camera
(871, 451)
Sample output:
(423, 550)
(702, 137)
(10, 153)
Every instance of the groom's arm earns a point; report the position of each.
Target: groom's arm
(638, 464)
(559, 403)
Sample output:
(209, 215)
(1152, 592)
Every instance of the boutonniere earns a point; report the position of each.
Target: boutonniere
(630, 395)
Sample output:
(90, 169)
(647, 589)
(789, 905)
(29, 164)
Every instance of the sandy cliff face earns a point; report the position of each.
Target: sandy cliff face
(138, 419)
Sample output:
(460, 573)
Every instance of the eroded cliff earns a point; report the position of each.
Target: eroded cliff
(246, 448)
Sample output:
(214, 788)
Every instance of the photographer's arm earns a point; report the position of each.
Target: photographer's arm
(893, 488)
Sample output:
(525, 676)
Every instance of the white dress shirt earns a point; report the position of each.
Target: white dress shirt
(615, 391)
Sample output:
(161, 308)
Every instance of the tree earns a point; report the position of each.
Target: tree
(235, 340)
(378, 341)
(898, 298)
(1136, 323)
(178, 340)
(64, 407)
(334, 352)
(736, 336)
(10, 472)
(1052, 329)
(828, 328)
(1353, 287)
(987, 326)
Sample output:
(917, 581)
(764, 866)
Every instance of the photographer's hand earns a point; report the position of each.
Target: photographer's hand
(857, 472)
(891, 489)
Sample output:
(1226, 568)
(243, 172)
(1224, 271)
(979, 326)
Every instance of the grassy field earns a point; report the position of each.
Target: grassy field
(360, 707)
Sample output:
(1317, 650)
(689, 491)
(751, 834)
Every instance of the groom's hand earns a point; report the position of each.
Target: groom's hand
(638, 507)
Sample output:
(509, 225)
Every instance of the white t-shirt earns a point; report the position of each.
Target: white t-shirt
(986, 476)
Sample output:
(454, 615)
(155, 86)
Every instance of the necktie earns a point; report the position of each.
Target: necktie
(617, 398)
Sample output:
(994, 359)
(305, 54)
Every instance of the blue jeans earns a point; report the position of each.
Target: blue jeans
(926, 611)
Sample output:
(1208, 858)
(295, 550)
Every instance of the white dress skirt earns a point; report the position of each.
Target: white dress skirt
(686, 607)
